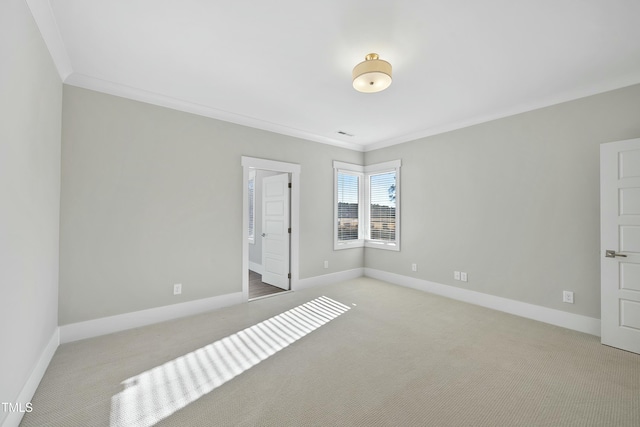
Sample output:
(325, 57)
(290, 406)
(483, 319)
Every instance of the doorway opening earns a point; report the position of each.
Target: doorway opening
(259, 289)
(270, 227)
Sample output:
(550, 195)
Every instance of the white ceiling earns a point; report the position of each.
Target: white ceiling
(285, 65)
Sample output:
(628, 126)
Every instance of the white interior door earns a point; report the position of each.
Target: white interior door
(275, 230)
(620, 244)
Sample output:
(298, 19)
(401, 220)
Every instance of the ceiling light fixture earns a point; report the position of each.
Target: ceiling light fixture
(371, 75)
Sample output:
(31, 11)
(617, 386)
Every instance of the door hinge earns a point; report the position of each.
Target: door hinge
(289, 276)
(289, 185)
(289, 230)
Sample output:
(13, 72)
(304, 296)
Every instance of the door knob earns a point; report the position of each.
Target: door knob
(612, 254)
(264, 235)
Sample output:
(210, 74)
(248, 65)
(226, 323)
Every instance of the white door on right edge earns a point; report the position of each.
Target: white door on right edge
(620, 244)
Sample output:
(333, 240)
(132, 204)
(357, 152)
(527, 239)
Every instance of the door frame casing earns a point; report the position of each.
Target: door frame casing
(249, 163)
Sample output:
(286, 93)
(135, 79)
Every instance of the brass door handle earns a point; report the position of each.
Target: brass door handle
(612, 254)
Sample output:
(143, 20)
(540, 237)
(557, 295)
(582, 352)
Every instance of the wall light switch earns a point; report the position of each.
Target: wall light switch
(177, 289)
(463, 276)
(414, 267)
(456, 275)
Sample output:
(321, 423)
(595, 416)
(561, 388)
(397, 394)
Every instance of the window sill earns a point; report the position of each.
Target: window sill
(382, 245)
(350, 245)
(367, 244)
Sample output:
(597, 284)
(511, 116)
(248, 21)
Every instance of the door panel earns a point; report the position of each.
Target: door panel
(630, 238)
(629, 163)
(630, 276)
(620, 232)
(630, 201)
(275, 227)
(630, 314)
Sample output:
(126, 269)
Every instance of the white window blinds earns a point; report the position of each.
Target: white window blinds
(382, 206)
(348, 206)
(348, 194)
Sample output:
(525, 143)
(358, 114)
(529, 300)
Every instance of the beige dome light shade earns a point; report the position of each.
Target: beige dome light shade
(372, 75)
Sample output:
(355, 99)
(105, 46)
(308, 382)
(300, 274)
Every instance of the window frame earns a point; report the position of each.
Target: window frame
(364, 174)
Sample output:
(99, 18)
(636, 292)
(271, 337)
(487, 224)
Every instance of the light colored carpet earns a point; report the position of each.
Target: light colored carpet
(396, 357)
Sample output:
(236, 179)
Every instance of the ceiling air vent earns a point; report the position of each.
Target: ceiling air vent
(341, 132)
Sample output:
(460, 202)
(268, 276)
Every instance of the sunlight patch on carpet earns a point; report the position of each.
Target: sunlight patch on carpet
(157, 393)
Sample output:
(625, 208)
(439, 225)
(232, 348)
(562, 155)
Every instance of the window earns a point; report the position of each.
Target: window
(252, 206)
(367, 205)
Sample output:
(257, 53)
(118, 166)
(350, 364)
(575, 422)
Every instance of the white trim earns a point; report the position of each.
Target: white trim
(46, 22)
(384, 166)
(327, 279)
(348, 166)
(564, 319)
(249, 163)
(270, 165)
(255, 267)
(121, 322)
(29, 389)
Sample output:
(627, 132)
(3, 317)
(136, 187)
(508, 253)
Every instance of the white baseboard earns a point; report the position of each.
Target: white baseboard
(121, 322)
(28, 390)
(572, 321)
(330, 278)
(255, 267)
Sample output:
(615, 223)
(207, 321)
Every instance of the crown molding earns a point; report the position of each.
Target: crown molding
(116, 89)
(46, 22)
(620, 83)
(92, 83)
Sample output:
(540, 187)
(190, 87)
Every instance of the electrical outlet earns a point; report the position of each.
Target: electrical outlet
(177, 289)
(456, 275)
(414, 267)
(326, 264)
(463, 276)
(567, 296)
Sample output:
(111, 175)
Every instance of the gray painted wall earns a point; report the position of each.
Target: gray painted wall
(152, 197)
(30, 107)
(513, 202)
